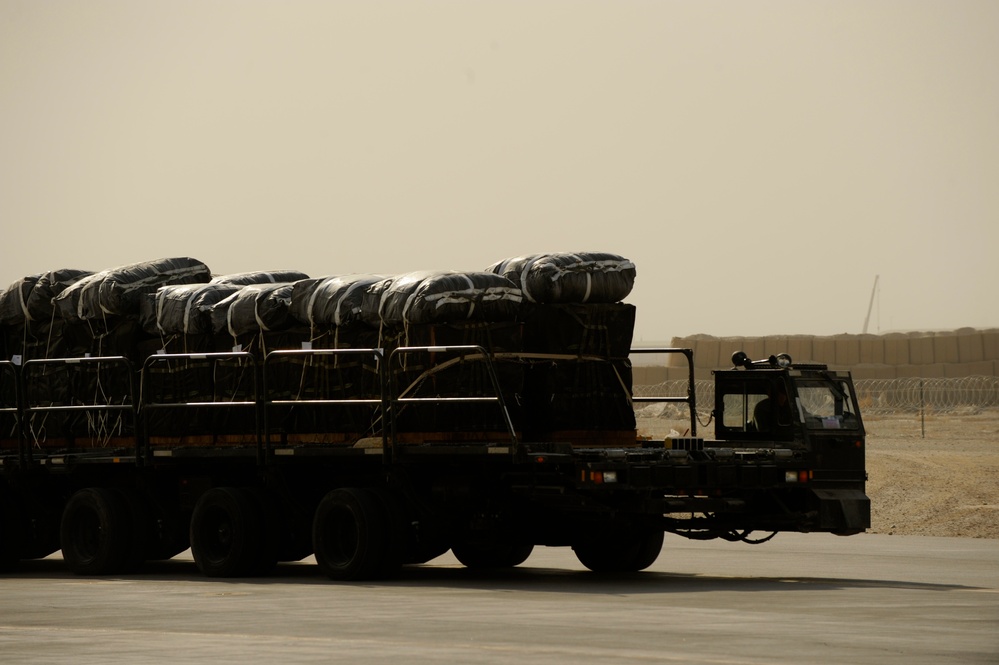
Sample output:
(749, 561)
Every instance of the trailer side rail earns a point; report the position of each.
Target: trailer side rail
(34, 370)
(691, 399)
(13, 407)
(268, 401)
(397, 394)
(147, 404)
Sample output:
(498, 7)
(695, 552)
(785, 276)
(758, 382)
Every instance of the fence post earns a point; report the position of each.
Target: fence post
(922, 409)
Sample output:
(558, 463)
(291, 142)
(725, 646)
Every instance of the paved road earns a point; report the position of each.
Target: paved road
(797, 599)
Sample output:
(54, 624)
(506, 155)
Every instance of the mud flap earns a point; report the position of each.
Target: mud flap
(843, 510)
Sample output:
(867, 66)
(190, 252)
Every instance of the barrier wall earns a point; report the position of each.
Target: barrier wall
(950, 354)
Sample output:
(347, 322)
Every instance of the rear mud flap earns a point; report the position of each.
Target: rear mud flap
(843, 510)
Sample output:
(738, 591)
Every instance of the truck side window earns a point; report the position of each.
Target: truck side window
(757, 407)
(739, 409)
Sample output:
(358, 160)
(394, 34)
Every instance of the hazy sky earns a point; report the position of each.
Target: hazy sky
(760, 162)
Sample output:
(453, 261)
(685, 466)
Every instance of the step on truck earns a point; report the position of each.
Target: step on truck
(374, 448)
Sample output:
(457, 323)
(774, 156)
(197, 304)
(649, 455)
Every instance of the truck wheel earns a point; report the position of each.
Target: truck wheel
(497, 555)
(350, 535)
(226, 533)
(624, 553)
(96, 532)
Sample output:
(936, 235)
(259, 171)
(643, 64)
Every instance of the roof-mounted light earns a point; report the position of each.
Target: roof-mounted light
(740, 359)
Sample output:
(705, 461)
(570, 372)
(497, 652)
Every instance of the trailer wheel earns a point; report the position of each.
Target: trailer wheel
(624, 553)
(350, 535)
(96, 532)
(226, 533)
(495, 555)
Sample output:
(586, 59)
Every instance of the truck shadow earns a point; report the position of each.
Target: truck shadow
(524, 578)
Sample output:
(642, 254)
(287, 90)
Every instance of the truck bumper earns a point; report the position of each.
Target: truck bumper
(844, 511)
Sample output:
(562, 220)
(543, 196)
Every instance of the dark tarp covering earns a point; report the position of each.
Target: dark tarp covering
(254, 308)
(604, 330)
(371, 301)
(441, 297)
(71, 304)
(260, 277)
(50, 285)
(577, 395)
(583, 277)
(118, 291)
(330, 301)
(182, 309)
(14, 301)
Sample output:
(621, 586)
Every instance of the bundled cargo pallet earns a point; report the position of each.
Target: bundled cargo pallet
(441, 297)
(119, 291)
(254, 308)
(260, 277)
(183, 309)
(333, 301)
(581, 277)
(545, 320)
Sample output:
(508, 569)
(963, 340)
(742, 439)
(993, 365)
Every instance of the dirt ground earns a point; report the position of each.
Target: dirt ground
(937, 476)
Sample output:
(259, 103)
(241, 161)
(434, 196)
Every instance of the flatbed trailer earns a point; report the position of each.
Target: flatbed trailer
(249, 491)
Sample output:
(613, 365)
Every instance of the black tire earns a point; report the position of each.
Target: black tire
(622, 553)
(491, 555)
(350, 535)
(227, 533)
(96, 532)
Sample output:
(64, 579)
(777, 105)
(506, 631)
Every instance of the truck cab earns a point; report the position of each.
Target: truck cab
(777, 400)
(802, 411)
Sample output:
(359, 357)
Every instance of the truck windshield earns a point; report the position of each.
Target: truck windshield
(827, 404)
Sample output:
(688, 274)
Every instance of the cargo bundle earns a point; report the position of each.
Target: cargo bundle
(333, 301)
(541, 340)
(260, 277)
(583, 277)
(183, 309)
(445, 297)
(120, 290)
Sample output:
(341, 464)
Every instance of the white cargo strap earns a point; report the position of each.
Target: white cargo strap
(187, 307)
(312, 298)
(354, 311)
(156, 278)
(23, 303)
(228, 320)
(159, 313)
(459, 296)
(523, 277)
(256, 313)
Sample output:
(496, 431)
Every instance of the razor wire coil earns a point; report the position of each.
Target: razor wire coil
(876, 396)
